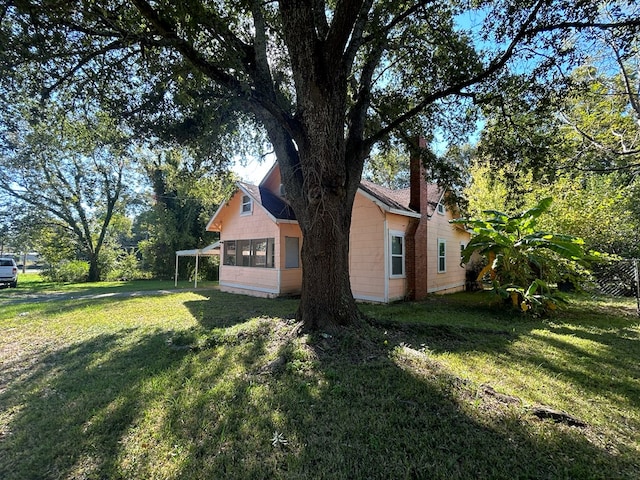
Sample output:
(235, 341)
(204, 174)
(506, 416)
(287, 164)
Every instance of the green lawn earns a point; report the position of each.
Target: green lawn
(174, 383)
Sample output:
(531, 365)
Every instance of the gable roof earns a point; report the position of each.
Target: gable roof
(398, 200)
(395, 201)
(274, 205)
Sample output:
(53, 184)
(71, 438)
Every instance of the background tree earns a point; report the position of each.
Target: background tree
(389, 168)
(586, 146)
(186, 193)
(73, 171)
(324, 81)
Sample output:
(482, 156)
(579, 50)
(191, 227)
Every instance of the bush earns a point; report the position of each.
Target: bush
(126, 267)
(523, 263)
(67, 271)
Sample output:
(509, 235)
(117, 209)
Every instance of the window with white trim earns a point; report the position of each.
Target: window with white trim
(440, 208)
(247, 205)
(396, 254)
(442, 255)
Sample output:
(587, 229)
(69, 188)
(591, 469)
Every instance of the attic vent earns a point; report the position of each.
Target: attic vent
(282, 190)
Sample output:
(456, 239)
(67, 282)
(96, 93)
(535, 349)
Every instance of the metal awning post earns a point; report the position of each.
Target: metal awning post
(195, 283)
(175, 283)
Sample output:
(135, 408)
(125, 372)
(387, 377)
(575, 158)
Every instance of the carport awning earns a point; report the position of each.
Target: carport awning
(213, 249)
(209, 250)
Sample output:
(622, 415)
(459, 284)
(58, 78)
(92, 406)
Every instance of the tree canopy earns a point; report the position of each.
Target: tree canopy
(71, 172)
(320, 82)
(585, 148)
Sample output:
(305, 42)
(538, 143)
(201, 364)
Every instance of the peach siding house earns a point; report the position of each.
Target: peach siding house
(401, 244)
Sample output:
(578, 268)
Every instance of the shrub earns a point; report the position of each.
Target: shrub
(67, 271)
(523, 264)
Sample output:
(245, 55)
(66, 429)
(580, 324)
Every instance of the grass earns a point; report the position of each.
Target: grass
(201, 384)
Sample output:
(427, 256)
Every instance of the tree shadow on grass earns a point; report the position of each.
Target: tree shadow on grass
(226, 309)
(66, 411)
(335, 408)
(359, 413)
(605, 365)
(337, 416)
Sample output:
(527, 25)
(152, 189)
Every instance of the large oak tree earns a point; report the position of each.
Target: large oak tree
(324, 81)
(66, 173)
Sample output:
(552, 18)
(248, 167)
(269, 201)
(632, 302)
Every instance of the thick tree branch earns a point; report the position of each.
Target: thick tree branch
(345, 18)
(169, 33)
(496, 65)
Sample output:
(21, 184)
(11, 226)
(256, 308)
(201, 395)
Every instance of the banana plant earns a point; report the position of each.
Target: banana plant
(523, 262)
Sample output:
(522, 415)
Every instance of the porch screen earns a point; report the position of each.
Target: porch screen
(259, 252)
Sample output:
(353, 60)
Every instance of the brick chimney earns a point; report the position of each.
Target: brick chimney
(416, 176)
(416, 239)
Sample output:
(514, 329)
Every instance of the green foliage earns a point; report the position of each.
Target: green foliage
(55, 245)
(71, 169)
(67, 271)
(186, 194)
(126, 267)
(492, 188)
(602, 209)
(522, 262)
(586, 159)
(389, 168)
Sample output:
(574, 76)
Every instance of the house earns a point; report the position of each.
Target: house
(401, 243)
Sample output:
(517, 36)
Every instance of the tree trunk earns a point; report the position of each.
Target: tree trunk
(327, 301)
(94, 269)
(320, 168)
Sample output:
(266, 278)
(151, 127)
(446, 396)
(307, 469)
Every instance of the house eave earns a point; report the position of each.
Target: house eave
(211, 223)
(384, 206)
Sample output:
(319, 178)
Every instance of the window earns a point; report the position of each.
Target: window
(229, 252)
(244, 253)
(397, 254)
(440, 208)
(462, 247)
(442, 255)
(247, 205)
(258, 252)
(291, 252)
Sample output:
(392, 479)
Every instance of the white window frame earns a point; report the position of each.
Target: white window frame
(443, 257)
(393, 234)
(248, 203)
(440, 208)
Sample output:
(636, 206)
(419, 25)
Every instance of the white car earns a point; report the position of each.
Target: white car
(8, 272)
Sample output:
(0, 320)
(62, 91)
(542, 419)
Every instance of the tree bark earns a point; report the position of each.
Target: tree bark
(320, 168)
(94, 269)
(324, 180)
(327, 300)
